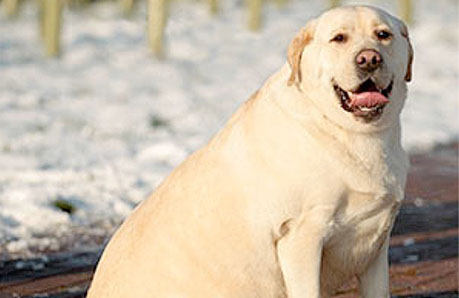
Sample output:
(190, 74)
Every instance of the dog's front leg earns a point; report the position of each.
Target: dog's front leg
(374, 282)
(300, 253)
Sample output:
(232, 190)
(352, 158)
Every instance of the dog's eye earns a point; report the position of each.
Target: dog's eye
(340, 38)
(383, 35)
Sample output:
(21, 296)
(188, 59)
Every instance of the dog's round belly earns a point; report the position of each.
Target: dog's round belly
(156, 257)
(177, 269)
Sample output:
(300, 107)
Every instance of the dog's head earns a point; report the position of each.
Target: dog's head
(353, 63)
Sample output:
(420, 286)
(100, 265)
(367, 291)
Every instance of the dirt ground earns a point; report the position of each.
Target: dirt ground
(423, 254)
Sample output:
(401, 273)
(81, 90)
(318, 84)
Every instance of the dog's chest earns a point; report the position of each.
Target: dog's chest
(360, 228)
(364, 216)
(368, 206)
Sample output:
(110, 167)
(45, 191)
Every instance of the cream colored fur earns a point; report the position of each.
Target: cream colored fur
(293, 197)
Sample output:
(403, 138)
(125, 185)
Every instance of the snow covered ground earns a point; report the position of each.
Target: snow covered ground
(100, 127)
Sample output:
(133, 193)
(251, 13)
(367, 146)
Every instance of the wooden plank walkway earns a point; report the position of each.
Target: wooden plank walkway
(423, 254)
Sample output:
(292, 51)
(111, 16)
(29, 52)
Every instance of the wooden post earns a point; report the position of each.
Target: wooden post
(281, 3)
(254, 18)
(157, 19)
(50, 25)
(406, 10)
(10, 7)
(334, 3)
(127, 7)
(213, 6)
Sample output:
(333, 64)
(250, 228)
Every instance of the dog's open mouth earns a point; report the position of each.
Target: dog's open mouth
(367, 102)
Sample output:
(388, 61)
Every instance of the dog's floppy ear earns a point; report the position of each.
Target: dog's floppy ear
(295, 50)
(404, 32)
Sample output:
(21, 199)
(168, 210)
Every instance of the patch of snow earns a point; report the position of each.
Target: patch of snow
(408, 242)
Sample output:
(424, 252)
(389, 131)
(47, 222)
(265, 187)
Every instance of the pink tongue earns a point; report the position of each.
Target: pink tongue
(367, 99)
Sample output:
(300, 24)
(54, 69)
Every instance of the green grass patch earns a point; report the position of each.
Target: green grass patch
(64, 206)
(156, 121)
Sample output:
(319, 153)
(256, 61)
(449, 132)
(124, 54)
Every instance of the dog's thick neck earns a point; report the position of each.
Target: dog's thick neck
(368, 146)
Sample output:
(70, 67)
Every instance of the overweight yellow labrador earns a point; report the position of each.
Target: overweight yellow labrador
(297, 193)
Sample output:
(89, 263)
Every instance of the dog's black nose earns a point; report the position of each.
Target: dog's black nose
(368, 60)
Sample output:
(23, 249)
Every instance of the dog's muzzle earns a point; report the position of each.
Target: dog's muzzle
(367, 102)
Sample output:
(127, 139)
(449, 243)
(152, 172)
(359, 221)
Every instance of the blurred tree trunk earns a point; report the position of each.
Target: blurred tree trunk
(281, 3)
(406, 10)
(334, 3)
(213, 7)
(254, 17)
(50, 25)
(157, 19)
(10, 7)
(127, 7)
